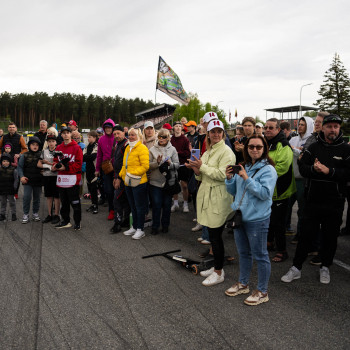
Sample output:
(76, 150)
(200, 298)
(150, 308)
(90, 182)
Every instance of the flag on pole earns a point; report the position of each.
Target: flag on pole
(169, 83)
(236, 115)
(229, 115)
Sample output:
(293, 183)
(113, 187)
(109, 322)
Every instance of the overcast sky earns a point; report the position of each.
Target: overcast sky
(249, 54)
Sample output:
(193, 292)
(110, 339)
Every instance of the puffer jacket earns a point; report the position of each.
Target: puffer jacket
(213, 201)
(137, 162)
(156, 177)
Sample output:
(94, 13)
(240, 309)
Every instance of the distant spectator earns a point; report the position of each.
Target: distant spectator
(183, 121)
(259, 129)
(41, 134)
(1, 133)
(73, 125)
(149, 134)
(126, 131)
(285, 127)
(192, 133)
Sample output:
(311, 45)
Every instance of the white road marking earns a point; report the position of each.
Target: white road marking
(341, 264)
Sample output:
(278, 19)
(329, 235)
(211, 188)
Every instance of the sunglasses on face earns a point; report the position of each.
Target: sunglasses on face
(163, 137)
(258, 147)
(269, 127)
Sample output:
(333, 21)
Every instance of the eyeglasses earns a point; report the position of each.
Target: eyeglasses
(269, 127)
(163, 137)
(258, 147)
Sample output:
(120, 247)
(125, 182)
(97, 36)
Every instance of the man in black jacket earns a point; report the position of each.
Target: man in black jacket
(326, 166)
(121, 205)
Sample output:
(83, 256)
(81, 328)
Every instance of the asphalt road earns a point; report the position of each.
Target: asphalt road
(62, 289)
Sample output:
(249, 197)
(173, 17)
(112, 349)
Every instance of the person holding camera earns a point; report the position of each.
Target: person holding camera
(163, 163)
(68, 162)
(252, 183)
(213, 201)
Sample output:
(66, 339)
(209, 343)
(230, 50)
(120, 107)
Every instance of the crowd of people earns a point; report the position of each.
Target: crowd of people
(248, 183)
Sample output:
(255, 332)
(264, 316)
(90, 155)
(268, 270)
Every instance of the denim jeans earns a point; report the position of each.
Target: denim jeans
(161, 207)
(27, 198)
(205, 233)
(251, 242)
(138, 201)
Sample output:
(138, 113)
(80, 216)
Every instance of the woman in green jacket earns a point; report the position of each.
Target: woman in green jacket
(213, 201)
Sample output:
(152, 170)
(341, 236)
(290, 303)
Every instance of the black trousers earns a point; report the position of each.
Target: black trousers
(92, 188)
(215, 236)
(329, 217)
(277, 228)
(70, 197)
(121, 205)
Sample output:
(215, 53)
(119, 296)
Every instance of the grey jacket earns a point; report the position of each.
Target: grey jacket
(156, 178)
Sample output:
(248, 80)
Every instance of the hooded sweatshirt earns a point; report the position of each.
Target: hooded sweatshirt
(105, 146)
(299, 142)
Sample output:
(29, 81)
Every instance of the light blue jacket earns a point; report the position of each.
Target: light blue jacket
(257, 201)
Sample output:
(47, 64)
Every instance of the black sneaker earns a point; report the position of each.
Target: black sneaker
(115, 229)
(154, 231)
(63, 224)
(77, 227)
(90, 209)
(47, 219)
(165, 229)
(316, 260)
(14, 217)
(2, 217)
(94, 209)
(55, 220)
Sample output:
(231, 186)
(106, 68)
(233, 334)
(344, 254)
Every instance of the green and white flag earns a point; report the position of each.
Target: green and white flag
(169, 82)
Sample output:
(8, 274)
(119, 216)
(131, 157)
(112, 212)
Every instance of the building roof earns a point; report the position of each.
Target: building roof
(291, 109)
(162, 109)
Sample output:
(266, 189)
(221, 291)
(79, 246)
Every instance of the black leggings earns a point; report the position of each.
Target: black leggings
(215, 236)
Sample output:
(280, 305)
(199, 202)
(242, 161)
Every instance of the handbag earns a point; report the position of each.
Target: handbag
(130, 179)
(172, 189)
(107, 166)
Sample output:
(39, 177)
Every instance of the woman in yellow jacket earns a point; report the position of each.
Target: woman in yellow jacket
(133, 173)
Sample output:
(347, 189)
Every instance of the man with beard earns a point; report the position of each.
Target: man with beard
(326, 166)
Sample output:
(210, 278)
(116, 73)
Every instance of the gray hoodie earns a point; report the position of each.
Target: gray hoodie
(299, 142)
(156, 178)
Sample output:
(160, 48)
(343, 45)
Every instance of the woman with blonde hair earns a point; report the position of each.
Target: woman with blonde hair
(133, 173)
(163, 162)
(50, 131)
(149, 134)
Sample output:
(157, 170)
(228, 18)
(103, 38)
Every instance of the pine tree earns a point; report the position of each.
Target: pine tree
(335, 92)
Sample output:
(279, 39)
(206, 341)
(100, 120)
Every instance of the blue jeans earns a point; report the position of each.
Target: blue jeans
(138, 201)
(205, 233)
(161, 207)
(251, 242)
(27, 198)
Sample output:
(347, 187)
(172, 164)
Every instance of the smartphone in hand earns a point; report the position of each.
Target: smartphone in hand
(195, 153)
(235, 169)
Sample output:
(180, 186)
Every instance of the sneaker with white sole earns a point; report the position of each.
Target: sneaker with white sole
(207, 273)
(174, 207)
(148, 223)
(138, 234)
(204, 241)
(256, 298)
(25, 219)
(236, 289)
(292, 274)
(36, 217)
(213, 279)
(63, 224)
(129, 232)
(325, 276)
(198, 227)
(199, 239)
(185, 209)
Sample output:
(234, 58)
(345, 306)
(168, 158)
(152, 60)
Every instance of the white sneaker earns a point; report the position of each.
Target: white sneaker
(292, 274)
(204, 241)
(207, 273)
(148, 223)
(138, 235)
(199, 239)
(129, 232)
(213, 279)
(198, 227)
(174, 207)
(185, 208)
(25, 219)
(325, 277)
(36, 217)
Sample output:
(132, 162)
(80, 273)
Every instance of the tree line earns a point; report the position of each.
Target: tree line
(26, 110)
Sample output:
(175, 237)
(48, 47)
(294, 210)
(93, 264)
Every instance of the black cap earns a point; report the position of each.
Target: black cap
(51, 137)
(34, 139)
(6, 156)
(66, 128)
(177, 123)
(107, 125)
(331, 118)
(118, 127)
